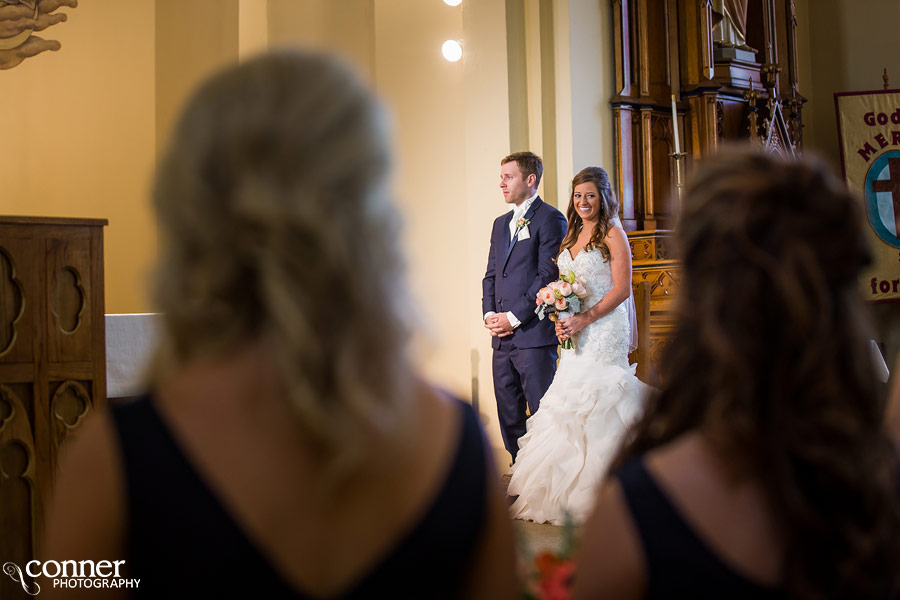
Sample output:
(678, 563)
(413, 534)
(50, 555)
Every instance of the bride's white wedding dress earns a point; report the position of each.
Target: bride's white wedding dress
(585, 413)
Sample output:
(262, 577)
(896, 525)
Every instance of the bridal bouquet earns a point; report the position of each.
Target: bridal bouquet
(560, 300)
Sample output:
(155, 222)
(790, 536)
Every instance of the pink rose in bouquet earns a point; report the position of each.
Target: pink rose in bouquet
(579, 290)
(561, 299)
(545, 296)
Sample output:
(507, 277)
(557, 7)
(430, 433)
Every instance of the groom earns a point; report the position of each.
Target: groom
(524, 244)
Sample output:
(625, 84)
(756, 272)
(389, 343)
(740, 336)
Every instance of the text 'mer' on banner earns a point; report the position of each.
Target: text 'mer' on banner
(869, 134)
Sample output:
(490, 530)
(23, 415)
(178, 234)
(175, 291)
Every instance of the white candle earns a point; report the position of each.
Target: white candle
(675, 126)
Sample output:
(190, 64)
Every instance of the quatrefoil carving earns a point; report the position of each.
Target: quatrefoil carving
(67, 300)
(70, 404)
(12, 302)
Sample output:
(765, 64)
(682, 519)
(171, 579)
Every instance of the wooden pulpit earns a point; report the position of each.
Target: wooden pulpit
(52, 364)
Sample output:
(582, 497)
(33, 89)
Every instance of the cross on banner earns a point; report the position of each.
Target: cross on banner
(892, 185)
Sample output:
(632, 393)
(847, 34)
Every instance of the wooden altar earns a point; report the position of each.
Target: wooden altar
(731, 66)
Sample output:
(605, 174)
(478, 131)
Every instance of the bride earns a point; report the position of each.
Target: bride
(595, 396)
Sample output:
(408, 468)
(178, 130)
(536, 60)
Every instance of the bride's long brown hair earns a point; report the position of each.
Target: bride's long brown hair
(609, 208)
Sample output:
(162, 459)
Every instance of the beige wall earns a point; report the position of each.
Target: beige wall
(192, 40)
(585, 80)
(84, 124)
(253, 27)
(849, 43)
(426, 96)
(78, 135)
(487, 140)
(99, 111)
(453, 126)
(346, 27)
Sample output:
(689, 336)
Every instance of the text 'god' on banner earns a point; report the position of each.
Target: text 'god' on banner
(869, 137)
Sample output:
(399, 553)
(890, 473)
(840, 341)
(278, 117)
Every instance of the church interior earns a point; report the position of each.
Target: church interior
(643, 88)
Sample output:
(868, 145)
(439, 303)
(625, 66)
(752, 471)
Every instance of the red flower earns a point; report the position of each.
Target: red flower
(555, 576)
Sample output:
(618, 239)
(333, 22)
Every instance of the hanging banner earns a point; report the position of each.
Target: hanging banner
(869, 137)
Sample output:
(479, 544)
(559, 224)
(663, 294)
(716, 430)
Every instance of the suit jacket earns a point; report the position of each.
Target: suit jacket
(515, 273)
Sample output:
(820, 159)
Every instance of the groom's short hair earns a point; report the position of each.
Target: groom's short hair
(529, 163)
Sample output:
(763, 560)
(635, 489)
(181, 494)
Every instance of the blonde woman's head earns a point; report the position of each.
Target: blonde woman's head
(276, 224)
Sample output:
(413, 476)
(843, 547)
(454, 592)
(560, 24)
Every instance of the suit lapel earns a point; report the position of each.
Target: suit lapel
(528, 215)
(505, 232)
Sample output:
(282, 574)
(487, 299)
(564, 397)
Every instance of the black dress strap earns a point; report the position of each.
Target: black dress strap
(679, 563)
(182, 540)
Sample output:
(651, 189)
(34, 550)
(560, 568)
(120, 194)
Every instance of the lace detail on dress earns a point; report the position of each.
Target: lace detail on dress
(593, 401)
(606, 339)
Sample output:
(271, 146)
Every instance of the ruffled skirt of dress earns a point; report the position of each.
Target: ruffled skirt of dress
(572, 438)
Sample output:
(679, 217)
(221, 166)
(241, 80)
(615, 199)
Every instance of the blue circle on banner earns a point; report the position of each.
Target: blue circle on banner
(882, 203)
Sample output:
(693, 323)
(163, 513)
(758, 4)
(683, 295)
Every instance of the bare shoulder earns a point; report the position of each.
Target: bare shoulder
(619, 248)
(616, 235)
(727, 510)
(438, 408)
(610, 562)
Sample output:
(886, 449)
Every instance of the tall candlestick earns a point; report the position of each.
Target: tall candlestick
(675, 126)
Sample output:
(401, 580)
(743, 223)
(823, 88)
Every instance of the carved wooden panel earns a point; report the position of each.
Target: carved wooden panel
(662, 276)
(625, 175)
(663, 145)
(642, 249)
(662, 284)
(659, 84)
(734, 117)
(54, 373)
(12, 302)
(649, 246)
(659, 341)
(666, 47)
(663, 249)
(67, 300)
(19, 501)
(68, 269)
(18, 295)
(670, 45)
(626, 75)
(70, 403)
(647, 171)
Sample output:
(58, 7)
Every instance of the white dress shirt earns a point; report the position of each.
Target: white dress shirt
(517, 213)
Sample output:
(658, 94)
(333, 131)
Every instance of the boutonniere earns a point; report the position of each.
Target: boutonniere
(523, 222)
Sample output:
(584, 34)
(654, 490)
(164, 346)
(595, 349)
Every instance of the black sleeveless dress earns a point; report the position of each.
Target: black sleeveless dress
(182, 541)
(679, 563)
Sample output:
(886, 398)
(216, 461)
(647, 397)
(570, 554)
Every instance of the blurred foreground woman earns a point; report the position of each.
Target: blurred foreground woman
(763, 469)
(285, 448)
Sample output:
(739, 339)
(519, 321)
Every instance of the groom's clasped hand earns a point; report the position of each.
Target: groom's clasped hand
(498, 324)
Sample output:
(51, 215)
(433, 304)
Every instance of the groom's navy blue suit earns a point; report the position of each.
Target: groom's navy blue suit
(524, 363)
